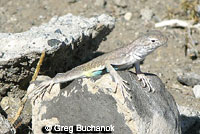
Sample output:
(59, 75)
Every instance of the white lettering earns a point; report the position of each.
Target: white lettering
(57, 127)
(78, 127)
(112, 128)
(70, 129)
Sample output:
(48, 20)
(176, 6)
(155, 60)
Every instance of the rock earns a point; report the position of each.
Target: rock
(189, 78)
(72, 30)
(100, 3)
(128, 16)
(67, 40)
(5, 126)
(146, 14)
(120, 3)
(189, 120)
(10, 106)
(3, 88)
(192, 53)
(196, 91)
(92, 102)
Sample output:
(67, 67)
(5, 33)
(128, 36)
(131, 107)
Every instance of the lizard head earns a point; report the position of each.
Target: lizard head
(153, 40)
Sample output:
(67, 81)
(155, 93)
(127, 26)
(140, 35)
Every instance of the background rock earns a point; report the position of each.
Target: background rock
(189, 78)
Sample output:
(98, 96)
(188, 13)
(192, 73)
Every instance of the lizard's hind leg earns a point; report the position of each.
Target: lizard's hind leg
(47, 85)
(41, 89)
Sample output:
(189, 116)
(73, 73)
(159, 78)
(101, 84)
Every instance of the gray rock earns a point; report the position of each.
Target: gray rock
(196, 91)
(4, 88)
(189, 78)
(190, 120)
(71, 29)
(91, 102)
(68, 41)
(5, 126)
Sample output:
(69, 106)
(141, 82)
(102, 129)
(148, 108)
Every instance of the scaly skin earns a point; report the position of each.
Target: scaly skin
(121, 58)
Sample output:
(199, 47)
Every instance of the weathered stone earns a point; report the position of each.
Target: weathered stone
(90, 102)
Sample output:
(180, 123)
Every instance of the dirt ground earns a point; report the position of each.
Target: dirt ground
(21, 15)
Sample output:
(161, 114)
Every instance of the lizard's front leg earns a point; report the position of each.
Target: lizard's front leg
(121, 83)
(141, 76)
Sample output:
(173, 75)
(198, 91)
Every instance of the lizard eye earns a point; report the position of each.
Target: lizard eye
(153, 40)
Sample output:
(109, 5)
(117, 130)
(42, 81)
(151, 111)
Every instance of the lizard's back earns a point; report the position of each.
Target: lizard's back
(98, 63)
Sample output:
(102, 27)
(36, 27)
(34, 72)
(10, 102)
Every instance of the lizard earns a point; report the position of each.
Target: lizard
(118, 59)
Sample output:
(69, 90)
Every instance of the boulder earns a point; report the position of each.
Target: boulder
(91, 102)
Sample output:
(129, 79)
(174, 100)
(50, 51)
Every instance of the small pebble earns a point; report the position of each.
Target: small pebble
(128, 16)
(196, 91)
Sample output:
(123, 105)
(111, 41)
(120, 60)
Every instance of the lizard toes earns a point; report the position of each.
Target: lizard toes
(146, 82)
(149, 86)
(125, 81)
(151, 89)
(124, 85)
(141, 77)
(50, 87)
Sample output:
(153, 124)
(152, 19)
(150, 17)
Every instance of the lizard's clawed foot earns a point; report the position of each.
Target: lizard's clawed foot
(123, 85)
(146, 82)
(42, 88)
